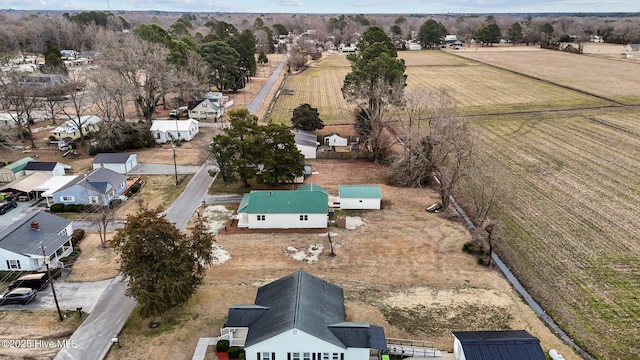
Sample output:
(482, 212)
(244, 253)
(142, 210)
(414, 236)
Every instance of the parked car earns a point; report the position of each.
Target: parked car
(21, 295)
(37, 281)
(7, 206)
(174, 114)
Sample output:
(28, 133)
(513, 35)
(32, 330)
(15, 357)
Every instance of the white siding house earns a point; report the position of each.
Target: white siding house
(306, 142)
(70, 128)
(301, 317)
(206, 109)
(335, 140)
(51, 168)
(20, 248)
(304, 208)
(169, 130)
(121, 163)
(360, 197)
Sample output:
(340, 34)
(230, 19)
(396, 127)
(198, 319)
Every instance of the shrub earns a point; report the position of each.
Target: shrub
(135, 188)
(69, 260)
(234, 352)
(468, 248)
(55, 208)
(222, 346)
(242, 355)
(69, 208)
(77, 236)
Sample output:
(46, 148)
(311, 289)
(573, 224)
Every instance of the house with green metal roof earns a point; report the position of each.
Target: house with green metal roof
(360, 197)
(14, 170)
(304, 208)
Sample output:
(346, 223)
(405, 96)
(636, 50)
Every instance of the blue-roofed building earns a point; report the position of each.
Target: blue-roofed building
(496, 345)
(304, 208)
(301, 317)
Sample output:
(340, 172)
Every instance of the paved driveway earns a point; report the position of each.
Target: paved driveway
(71, 295)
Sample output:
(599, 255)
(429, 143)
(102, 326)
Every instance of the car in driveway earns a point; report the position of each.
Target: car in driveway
(37, 281)
(7, 206)
(21, 295)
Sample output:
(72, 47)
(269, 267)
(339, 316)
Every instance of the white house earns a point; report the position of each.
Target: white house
(169, 130)
(335, 140)
(211, 107)
(8, 119)
(69, 129)
(301, 317)
(20, 248)
(52, 168)
(360, 196)
(304, 208)
(496, 345)
(306, 143)
(119, 162)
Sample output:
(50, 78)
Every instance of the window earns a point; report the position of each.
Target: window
(306, 356)
(260, 217)
(325, 356)
(67, 199)
(157, 135)
(336, 356)
(93, 199)
(13, 264)
(266, 356)
(304, 217)
(296, 356)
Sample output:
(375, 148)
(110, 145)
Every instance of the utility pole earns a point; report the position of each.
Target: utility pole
(53, 290)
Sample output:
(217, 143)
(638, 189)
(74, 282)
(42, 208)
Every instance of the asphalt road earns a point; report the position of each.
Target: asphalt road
(258, 99)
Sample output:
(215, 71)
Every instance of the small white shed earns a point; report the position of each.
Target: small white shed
(168, 130)
(360, 197)
(335, 140)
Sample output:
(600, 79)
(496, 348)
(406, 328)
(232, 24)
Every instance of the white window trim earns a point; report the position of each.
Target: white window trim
(67, 199)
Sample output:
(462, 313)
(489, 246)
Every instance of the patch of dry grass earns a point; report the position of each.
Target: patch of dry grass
(94, 263)
(397, 264)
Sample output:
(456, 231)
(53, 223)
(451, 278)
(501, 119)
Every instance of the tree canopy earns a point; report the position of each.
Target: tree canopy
(431, 33)
(515, 33)
(306, 118)
(247, 150)
(376, 80)
(489, 34)
(163, 266)
(224, 63)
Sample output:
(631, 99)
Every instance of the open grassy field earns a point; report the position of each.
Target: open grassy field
(570, 196)
(566, 149)
(606, 77)
(474, 87)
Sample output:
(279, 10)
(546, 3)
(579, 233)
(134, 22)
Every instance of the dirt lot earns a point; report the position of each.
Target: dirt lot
(402, 269)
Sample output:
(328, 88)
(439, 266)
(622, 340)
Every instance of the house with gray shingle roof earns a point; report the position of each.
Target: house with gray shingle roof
(98, 186)
(20, 248)
(52, 168)
(304, 208)
(301, 317)
(119, 162)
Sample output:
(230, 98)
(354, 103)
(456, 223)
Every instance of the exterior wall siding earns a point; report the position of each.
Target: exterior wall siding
(287, 221)
(295, 341)
(352, 203)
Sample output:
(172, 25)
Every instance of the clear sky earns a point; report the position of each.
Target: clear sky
(334, 6)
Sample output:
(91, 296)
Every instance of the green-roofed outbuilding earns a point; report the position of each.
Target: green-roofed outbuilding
(304, 208)
(360, 196)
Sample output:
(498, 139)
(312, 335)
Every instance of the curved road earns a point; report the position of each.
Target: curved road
(92, 339)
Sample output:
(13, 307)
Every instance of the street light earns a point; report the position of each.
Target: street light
(175, 166)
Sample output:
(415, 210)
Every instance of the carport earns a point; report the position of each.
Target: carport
(25, 185)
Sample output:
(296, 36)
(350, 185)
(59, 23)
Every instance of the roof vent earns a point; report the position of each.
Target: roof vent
(35, 226)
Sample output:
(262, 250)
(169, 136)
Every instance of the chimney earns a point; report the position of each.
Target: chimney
(35, 226)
